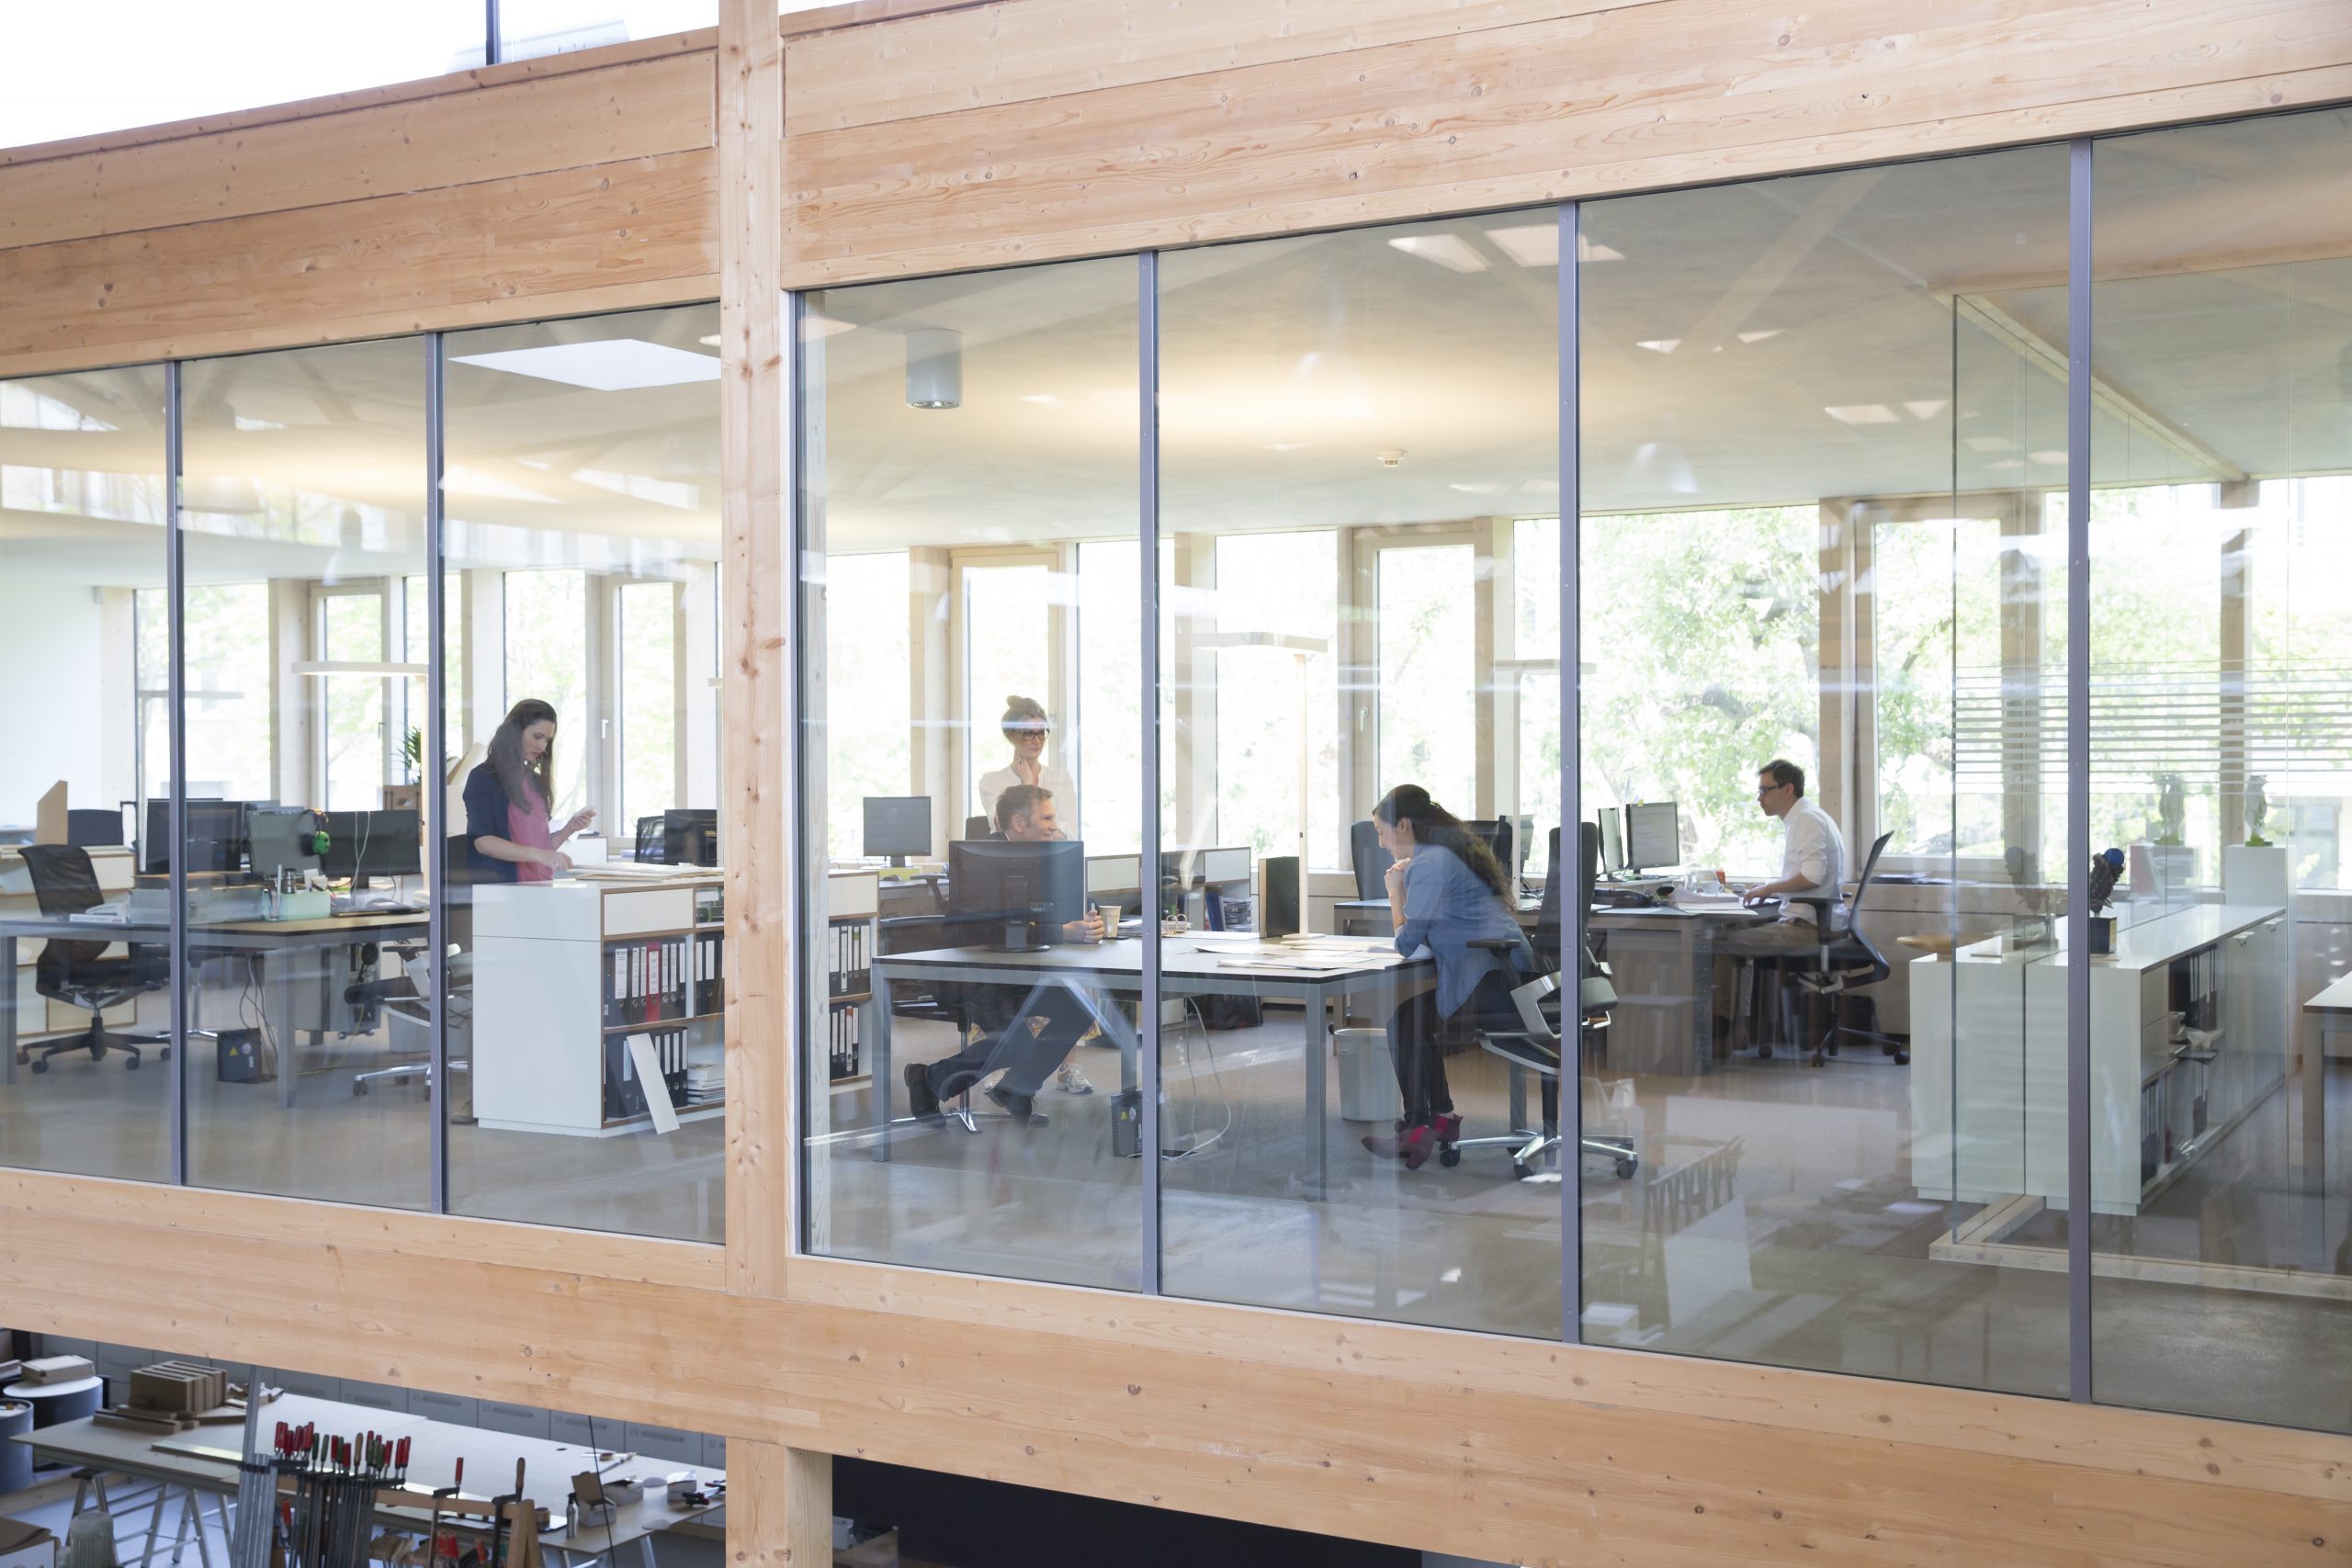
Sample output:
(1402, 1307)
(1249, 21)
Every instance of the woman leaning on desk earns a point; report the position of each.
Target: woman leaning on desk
(508, 838)
(1446, 892)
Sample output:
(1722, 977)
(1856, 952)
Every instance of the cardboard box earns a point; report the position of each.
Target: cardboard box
(26, 1546)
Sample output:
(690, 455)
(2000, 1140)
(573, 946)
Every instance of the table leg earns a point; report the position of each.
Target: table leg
(880, 1075)
(2315, 1150)
(278, 1008)
(154, 1523)
(645, 1550)
(7, 1009)
(1317, 1041)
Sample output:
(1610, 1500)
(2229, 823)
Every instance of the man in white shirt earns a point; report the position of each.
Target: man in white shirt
(1812, 864)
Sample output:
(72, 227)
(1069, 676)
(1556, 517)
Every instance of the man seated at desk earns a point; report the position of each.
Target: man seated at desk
(1812, 864)
(1025, 1031)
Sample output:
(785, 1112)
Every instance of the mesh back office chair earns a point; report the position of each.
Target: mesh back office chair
(78, 973)
(1535, 1046)
(1846, 961)
(1371, 862)
(406, 997)
(977, 827)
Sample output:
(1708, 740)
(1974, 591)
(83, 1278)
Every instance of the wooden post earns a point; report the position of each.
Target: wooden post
(779, 1505)
(756, 829)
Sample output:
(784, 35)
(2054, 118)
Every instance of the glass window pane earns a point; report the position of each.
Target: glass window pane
(2220, 767)
(303, 494)
(1822, 424)
(83, 679)
(971, 597)
(1353, 425)
(187, 65)
(583, 542)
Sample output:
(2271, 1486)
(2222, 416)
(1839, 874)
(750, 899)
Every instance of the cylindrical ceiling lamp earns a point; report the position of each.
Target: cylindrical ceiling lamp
(934, 369)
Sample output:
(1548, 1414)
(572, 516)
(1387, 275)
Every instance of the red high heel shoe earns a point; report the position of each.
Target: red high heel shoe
(1417, 1144)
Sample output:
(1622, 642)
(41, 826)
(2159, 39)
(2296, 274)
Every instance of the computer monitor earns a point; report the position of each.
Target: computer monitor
(216, 837)
(898, 826)
(1014, 897)
(1653, 836)
(1113, 873)
(1496, 832)
(1613, 842)
(1524, 828)
(691, 837)
(1219, 866)
(361, 844)
(282, 838)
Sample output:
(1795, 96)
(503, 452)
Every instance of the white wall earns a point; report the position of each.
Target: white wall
(52, 670)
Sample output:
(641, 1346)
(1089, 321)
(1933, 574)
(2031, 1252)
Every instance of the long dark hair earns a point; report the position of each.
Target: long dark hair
(1433, 824)
(515, 776)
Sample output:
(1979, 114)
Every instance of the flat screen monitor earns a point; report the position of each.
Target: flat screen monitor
(1223, 865)
(1496, 832)
(1523, 828)
(281, 837)
(690, 836)
(1612, 842)
(1653, 836)
(1014, 897)
(361, 844)
(898, 826)
(1113, 873)
(216, 838)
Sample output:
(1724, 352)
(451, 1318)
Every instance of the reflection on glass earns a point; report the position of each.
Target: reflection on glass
(2220, 767)
(531, 28)
(303, 515)
(972, 728)
(85, 679)
(581, 780)
(1822, 421)
(1354, 428)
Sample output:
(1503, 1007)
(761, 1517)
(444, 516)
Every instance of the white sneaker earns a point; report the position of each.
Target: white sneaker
(1071, 1080)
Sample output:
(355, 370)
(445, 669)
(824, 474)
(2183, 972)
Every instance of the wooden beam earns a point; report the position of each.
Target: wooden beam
(779, 1505)
(455, 86)
(525, 127)
(613, 237)
(1026, 50)
(1355, 1428)
(756, 833)
(1632, 98)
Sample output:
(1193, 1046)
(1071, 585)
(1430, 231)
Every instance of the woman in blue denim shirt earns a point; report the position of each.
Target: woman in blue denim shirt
(1445, 891)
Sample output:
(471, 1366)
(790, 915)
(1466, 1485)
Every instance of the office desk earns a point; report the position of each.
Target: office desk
(1369, 917)
(230, 939)
(198, 1461)
(1662, 964)
(1190, 966)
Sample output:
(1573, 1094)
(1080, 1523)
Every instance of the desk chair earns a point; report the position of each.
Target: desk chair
(406, 998)
(1371, 862)
(1497, 834)
(1844, 963)
(648, 840)
(78, 972)
(977, 827)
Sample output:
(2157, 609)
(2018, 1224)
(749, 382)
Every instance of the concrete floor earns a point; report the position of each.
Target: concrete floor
(1773, 1218)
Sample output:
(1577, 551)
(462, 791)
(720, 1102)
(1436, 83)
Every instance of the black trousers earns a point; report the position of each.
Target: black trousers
(1006, 1014)
(1416, 1041)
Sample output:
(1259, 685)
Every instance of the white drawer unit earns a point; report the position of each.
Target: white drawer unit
(519, 1420)
(310, 1383)
(457, 1409)
(375, 1395)
(665, 1443)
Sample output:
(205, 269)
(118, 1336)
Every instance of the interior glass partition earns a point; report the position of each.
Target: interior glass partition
(971, 595)
(587, 994)
(302, 514)
(83, 671)
(1822, 421)
(1352, 427)
(2220, 763)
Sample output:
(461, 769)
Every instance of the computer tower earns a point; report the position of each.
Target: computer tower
(1278, 905)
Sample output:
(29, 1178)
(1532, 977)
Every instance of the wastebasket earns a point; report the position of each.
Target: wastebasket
(1367, 1076)
(16, 1459)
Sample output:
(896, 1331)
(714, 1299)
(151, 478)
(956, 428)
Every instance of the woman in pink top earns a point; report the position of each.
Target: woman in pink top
(507, 836)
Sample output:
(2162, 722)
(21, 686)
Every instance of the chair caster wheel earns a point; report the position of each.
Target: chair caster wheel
(1902, 1058)
(42, 1066)
(131, 1066)
(1518, 1171)
(1625, 1169)
(1763, 1053)
(1448, 1156)
(358, 1088)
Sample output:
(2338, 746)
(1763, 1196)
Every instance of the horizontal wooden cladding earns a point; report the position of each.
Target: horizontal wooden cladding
(525, 128)
(617, 235)
(1648, 95)
(197, 1212)
(455, 85)
(1019, 50)
(1498, 1450)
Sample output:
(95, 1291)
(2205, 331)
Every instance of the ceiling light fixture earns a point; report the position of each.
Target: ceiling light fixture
(605, 364)
(1390, 458)
(934, 369)
(1449, 251)
(1659, 344)
(1864, 413)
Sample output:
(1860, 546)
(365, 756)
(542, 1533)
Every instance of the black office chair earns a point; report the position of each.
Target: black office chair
(1371, 862)
(85, 827)
(1497, 833)
(1846, 961)
(977, 827)
(1534, 1046)
(649, 840)
(79, 972)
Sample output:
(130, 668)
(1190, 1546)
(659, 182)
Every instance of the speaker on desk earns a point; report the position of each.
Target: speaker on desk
(1278, 906)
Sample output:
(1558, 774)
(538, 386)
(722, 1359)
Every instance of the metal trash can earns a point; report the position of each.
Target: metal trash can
(16, 1459)
(1367, 1076)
